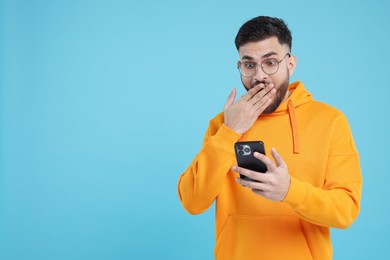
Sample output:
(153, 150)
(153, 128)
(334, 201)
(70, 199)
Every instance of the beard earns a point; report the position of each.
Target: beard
(280, 94)
(278, 98)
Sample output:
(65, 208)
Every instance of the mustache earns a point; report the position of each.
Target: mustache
(257, 82)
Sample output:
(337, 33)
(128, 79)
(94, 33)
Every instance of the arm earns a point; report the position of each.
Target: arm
(336, 204)
(200, 184)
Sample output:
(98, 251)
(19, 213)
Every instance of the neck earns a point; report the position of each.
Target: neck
(287, 95)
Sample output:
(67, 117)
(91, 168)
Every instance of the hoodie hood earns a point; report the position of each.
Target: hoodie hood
(298, 96)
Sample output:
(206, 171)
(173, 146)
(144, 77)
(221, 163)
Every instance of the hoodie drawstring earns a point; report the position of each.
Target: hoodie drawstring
(294, 127)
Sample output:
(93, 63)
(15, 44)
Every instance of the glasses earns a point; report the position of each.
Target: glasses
(269, 66)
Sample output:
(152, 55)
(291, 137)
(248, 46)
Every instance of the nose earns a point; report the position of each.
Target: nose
(260, 75)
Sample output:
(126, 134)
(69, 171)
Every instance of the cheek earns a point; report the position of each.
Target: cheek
(281, 78)
(246, 82)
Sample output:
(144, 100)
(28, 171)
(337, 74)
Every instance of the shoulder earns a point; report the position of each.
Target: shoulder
(328, 117)
(322, 110)
(218, 119)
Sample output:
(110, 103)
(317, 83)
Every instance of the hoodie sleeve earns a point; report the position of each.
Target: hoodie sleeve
(337, 203)
(200, 184)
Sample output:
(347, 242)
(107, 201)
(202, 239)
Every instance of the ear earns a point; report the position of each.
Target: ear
(292, 63)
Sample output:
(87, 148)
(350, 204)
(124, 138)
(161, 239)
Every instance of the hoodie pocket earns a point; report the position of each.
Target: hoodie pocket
(262, 237)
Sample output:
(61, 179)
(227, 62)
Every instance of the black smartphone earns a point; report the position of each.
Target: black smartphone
(245, 158)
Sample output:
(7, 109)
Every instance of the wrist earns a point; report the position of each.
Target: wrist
(239, 132)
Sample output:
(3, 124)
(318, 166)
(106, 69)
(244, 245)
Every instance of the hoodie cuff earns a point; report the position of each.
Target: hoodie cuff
(227, 135)
(297, 194)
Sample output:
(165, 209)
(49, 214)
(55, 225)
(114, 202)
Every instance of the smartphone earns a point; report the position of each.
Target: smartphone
(246, 159)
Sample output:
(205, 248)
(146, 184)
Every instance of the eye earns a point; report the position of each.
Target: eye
(248, 65)
(270, 62)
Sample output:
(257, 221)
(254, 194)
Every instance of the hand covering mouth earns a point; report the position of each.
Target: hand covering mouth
(265, 82)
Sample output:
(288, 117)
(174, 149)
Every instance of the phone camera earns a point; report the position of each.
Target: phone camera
(243, 150)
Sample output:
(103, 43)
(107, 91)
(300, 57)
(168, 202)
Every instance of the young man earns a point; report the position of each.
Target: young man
(314, 181)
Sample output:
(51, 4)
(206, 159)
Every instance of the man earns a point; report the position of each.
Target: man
(312, 183)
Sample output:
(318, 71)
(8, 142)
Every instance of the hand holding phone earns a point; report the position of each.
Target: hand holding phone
(245, 158)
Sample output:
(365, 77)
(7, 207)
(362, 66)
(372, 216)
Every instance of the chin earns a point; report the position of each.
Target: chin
(271, 108)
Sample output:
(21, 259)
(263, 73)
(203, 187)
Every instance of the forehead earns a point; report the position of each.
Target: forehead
(260, 49)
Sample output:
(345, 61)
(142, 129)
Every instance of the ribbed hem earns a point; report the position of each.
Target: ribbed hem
(227, 135)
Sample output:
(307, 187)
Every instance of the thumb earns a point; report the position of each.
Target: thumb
(230, 99)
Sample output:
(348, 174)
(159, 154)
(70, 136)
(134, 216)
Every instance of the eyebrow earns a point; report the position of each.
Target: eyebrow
(269, 54)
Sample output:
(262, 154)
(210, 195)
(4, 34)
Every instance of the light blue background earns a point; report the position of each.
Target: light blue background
(105, 103)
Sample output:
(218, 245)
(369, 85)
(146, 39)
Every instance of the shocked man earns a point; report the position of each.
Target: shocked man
(313, 180)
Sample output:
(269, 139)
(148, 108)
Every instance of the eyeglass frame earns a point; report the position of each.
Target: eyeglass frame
(261, 66)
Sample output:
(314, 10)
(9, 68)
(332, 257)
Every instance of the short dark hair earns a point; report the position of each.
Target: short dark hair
(261, 28)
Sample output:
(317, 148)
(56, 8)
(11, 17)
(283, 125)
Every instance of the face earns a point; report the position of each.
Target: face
(256, 53)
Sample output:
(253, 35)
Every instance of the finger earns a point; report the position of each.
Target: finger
(261, 101)
(278, 158)
(253, 91)
(251, 184)
(248, 173)
(259, 192)
(266, 160)
(260, 107)
(263, 96)
(230, 99)
(266, 89)
(258, 91)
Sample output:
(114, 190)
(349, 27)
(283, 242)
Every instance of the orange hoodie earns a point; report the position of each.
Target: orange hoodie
(316, 143)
